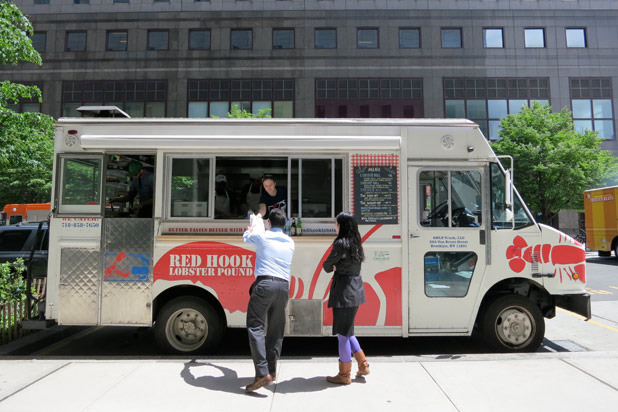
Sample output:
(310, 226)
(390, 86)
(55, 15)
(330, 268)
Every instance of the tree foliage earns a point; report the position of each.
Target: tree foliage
(26, 139)
(236, 113)
(554, 164)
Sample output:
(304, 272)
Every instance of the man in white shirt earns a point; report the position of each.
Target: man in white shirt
(269, 297)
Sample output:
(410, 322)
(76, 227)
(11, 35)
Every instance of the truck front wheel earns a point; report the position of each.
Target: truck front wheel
(188, 325)
(513, 323)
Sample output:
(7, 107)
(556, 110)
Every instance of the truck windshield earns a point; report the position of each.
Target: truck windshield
(499, 209)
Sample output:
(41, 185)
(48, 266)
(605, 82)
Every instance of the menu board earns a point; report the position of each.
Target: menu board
(375, 194)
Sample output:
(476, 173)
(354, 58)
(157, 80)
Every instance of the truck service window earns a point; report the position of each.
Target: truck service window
(317, 187)
(80, 188)
(190, 183)
(129, 185)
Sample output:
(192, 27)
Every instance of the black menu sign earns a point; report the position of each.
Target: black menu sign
(375, 194)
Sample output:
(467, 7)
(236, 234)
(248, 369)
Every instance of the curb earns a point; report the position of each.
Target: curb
(38, 340)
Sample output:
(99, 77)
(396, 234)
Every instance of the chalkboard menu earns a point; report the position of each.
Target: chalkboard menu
(375, 194)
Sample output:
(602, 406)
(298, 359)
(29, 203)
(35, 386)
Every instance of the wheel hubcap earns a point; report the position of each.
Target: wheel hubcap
(186, 330)
(514, 326)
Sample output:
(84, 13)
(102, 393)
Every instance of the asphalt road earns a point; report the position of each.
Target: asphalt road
(602, 277)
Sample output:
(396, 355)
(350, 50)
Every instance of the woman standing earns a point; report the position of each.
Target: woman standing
(346, 295)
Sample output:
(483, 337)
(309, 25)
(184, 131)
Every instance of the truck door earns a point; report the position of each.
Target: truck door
(447, 229)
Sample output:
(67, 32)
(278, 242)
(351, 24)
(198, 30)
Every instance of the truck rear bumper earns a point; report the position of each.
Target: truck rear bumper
(579, 304)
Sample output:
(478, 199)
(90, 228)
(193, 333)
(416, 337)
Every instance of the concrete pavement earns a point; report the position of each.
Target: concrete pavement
(572, 381)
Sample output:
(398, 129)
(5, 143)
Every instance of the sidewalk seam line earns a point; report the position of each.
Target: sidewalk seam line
(589, 374)
(440, 387)
(110, 387)
(35, 381)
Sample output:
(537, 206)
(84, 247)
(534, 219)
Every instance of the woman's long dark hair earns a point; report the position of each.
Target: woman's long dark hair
(350, 236)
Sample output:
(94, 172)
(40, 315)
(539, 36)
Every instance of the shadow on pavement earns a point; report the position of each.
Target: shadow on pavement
(603, 260)
(229, 382)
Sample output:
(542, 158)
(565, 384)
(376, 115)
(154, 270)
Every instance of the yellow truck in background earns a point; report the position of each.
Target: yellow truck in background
(601, 210)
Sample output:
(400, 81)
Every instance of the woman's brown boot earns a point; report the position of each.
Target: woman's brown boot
(343, 377)
(363, 365)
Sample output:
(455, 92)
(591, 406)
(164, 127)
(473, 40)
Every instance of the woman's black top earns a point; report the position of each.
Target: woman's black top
(347, 289)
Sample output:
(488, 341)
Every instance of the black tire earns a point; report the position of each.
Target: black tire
(188, 325)
(605, 253)
(513, 323)
(616, 250)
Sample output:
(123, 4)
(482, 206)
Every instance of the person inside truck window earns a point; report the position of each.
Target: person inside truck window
(251, 193)
(273, 196)
(142, 185)
(224, 204)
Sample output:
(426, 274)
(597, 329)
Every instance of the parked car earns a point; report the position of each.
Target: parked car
(16, 242)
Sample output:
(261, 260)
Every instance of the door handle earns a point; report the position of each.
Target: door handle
(412, 236)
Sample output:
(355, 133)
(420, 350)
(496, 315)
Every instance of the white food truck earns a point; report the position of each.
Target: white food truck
(450, 246)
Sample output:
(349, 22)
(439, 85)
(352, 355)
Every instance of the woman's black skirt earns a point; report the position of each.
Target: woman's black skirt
(343, 321)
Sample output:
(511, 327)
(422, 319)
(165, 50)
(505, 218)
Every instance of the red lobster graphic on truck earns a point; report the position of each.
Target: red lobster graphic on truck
(568, 257)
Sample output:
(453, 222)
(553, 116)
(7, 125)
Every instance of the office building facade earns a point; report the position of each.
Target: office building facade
(479, 59)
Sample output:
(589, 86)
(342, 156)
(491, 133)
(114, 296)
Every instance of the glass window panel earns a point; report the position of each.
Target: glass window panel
(448, 274)
(316, 187)
(516, 105)
(451, 38)
(81, 185)
(494, 128)
(117, 40)
(219, 109)
(367, 38)
(534, 37)
(70, 110)
(605, 128)
(283, 39)
(134, 109)
(455, 109)
(434, 198)
(497, 109)
(30, 107)
(582, 125)
(199, 39)
(409, 38)
(39, 42)
(325, 38)
(476, 109)
(241, 106)
(190, 187)
(466, 199)
(76, 41)
(284, 109)
(198, 109)
(257, 106)
(576, 37)
(492, 38)
(155, 109)
(483, 126)
(158, 40)
(602, 109)
(541, 102)
(581, 108)
(241, 39)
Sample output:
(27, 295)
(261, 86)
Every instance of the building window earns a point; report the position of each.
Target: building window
(81, 1)
(409, 38)
(493, 38)
(199, 39)
(117, 40)
(576, 37)
(363, 97)
(283, 38)
(367, 38)
(75, 41)
(241, 39)
(27, 105)
(158, 39)
(139, 98)
(534, 37)
(591, 101)
(451, 38)
(215, 98)
(488, 100)
(41, 1)
(325, 38)
(39, 41)
(120, 1)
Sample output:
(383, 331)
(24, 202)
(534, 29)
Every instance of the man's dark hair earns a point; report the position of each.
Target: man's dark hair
(277, 218)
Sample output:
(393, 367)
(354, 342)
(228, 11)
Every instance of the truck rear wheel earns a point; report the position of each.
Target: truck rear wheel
(188, 325)
(513, 323)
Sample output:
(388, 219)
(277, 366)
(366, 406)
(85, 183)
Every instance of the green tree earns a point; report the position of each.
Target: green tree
(26, 139)
(554, 164)
(236, 113)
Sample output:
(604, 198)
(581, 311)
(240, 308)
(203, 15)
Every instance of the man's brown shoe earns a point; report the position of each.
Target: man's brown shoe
(258, 383)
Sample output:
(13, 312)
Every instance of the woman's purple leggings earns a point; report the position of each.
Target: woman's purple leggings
(347, 346)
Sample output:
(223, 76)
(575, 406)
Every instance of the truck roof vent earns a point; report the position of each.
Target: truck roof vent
(102, 111)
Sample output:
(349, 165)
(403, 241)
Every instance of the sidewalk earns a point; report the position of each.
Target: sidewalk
(471, 383)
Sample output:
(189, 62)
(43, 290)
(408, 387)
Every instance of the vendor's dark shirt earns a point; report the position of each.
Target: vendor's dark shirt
(347, 289)
(279, 201)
